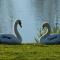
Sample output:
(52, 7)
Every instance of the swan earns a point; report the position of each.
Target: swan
(48, 38)
(10, 38)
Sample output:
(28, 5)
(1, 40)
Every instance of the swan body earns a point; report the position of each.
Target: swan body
(10, 38)
(48, 38)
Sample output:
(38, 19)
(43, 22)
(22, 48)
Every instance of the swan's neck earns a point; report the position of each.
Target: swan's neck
(16, 31)
(48, 31)
(45, 34)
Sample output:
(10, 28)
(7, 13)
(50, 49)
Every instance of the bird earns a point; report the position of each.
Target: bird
(11, 38)
(48, 38)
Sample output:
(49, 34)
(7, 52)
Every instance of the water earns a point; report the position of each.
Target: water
(23, 11)
(32, 13)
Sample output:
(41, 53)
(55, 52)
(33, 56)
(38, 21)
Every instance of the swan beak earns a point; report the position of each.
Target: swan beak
(21, 26)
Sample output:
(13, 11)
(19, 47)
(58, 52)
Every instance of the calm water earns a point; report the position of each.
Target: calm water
(31, 12)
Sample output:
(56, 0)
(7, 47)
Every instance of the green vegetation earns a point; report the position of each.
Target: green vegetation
(56, 31)
(29, 52)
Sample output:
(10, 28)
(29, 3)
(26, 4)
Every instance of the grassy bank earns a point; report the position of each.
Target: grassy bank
(29, 52)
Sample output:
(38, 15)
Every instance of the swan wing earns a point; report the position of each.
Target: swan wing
(52, 39)
(8, 38)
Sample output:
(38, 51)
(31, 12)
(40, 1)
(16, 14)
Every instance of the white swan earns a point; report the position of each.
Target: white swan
(48, 38)
(10, 38)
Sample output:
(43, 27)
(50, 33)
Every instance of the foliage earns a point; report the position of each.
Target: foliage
(56, 31)
(39, 34)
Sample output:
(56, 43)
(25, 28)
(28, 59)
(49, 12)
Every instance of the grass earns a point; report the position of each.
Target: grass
(29, 52)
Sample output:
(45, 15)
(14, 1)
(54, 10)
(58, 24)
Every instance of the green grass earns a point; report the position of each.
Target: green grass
(29, 52)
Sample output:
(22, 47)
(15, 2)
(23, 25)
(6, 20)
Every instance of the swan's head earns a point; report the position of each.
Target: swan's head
(19, 22)
(45, 25)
